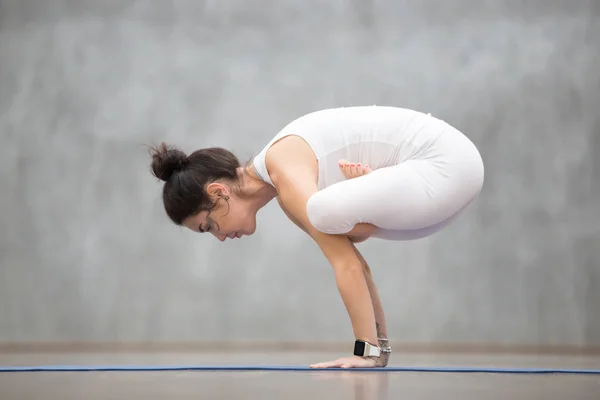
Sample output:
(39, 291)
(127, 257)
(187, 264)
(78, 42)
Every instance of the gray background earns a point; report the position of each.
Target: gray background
(87, 253)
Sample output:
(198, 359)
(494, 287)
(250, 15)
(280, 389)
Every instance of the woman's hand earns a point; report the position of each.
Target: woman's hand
(352, 362)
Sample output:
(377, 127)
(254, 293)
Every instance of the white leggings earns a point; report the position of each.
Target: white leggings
(408, 201)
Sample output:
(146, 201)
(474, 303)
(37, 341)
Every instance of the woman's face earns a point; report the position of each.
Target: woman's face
(231, 217)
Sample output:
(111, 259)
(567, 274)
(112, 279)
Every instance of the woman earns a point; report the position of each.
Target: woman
(342, 175)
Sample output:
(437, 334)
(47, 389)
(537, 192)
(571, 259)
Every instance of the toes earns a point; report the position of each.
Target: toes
(345, 167)
(353, 170)
(363, 169)
(349, 170)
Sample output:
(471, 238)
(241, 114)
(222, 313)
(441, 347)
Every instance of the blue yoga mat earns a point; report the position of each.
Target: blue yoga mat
(83, 368)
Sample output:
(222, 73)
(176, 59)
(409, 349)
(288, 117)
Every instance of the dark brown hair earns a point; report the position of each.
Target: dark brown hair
(186, 177)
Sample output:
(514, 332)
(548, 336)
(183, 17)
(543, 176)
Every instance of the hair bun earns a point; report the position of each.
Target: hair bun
(166, 160)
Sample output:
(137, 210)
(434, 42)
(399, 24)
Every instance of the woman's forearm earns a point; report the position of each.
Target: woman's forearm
(375, 299)
(354, 290)
(338, 250)
(380, 323)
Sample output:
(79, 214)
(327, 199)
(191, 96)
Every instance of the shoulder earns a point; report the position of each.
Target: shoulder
(291, 159)
(293, 169)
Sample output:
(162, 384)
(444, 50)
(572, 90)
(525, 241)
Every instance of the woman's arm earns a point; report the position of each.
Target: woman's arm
(339, 251)
(293, 170)
(375, 299)
(380, 323)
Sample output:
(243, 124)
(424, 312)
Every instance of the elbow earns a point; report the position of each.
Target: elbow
(348, 268)
(349, 276)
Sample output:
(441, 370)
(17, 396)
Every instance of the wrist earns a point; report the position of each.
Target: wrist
(385, 350)
(384, 344)
(366, 348)
(363, 348)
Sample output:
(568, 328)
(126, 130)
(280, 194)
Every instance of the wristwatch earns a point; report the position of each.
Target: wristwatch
(366, 349)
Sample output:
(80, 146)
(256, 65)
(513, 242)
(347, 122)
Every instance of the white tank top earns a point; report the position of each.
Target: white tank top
(376, 136)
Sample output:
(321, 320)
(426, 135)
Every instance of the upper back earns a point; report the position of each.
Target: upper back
(370, 135)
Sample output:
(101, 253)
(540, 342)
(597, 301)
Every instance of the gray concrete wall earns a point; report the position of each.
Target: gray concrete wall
(86, 252)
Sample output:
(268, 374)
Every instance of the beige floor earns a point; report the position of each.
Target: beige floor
(308, 385)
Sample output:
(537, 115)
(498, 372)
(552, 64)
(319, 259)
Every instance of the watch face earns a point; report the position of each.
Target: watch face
(359, 348)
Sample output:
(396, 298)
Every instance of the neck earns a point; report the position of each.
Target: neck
(259, 192)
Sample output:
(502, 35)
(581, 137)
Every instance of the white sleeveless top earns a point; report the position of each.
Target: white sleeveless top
(376, 136)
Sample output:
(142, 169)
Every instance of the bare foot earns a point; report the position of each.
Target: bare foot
(353, 170)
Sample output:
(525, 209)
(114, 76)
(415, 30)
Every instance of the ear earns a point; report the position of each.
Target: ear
(216, 190)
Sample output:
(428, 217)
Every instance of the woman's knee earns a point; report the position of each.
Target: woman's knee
(326, 215)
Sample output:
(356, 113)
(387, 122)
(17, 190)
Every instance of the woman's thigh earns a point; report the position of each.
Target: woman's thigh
(402, 201)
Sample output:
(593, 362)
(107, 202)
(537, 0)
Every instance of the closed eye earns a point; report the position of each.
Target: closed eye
(202, 230)
(210, 225)
(208, 228)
